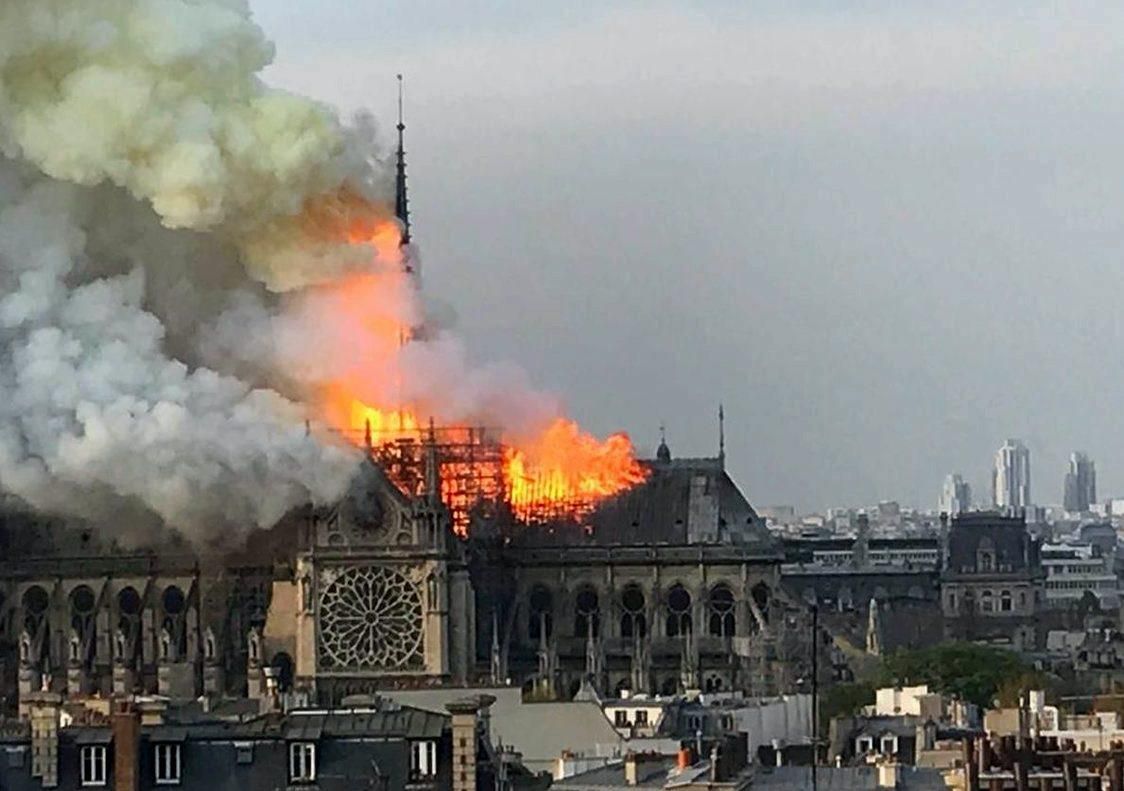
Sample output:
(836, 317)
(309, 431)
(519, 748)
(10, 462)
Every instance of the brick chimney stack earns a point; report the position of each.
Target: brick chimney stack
(468, 717)
(126, 746)
(44, 709)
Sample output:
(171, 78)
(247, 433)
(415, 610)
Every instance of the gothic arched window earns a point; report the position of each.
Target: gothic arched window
(587, 619)
(633, 623)
(35, 604)
(174, 604)
(722, 619)
(760, 595)
(540, 606)
(678, 611)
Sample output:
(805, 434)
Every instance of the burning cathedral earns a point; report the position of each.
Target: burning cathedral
(671, 585)
(173, 297)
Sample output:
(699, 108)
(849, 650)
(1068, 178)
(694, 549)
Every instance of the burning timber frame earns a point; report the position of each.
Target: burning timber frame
(470, 461)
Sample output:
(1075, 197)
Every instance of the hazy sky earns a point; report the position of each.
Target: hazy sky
(886, 237)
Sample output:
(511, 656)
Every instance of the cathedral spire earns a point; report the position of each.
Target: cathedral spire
(721, 436)
(401, 204)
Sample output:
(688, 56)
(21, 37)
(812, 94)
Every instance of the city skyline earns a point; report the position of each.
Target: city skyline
(957, 493)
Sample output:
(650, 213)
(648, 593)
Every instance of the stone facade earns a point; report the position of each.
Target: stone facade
(992, 583)
(378, 592)
(103, 625)
(384, 594)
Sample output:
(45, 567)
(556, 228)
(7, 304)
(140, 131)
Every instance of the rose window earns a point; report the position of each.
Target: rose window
(371, 617)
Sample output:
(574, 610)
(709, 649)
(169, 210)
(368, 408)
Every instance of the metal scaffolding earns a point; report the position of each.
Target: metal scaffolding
(471, 461)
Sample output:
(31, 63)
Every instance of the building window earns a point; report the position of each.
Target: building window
(620, 718)
(633, 623)
(986, 602)
(587, 621)
(863, 745)
(1005, 601)
(302, 762)
(642, 717)
(986, 561)
(541, 611)
(889, 745)
(243, 752)
(678, 612)
(167, 763)
(722, 622)
(93, 766)
(952, 602)
(423, 759)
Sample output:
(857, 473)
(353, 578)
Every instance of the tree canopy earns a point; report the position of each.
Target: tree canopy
(975, 673)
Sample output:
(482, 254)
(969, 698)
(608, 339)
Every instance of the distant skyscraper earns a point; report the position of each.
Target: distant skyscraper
(956, 496)
(1080, 483)
(1010, 480)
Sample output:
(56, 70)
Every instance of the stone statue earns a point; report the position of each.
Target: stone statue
(25, 649)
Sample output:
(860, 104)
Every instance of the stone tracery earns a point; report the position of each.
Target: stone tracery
(371, 617)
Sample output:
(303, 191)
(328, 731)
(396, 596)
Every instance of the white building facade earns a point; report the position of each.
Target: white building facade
(1011, 476)
(1072, 570)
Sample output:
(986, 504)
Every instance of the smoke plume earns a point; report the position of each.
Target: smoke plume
(193, 265)
(147, 175)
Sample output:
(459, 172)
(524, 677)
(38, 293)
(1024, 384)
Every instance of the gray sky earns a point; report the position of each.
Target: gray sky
(887, 238)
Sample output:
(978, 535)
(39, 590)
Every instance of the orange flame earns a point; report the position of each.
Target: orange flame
(565, 465)
(561, 471)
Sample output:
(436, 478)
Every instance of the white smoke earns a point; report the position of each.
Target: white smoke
(163, 98)
(95, 416)
(179, 275)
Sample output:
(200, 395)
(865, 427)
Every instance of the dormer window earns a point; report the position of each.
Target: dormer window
(92, 770)
(985, 561)
(423, 760)
(167, 764)
(302, 762)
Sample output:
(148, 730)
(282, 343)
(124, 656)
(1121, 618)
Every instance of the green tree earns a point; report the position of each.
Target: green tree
(843, 700)
(975, 673)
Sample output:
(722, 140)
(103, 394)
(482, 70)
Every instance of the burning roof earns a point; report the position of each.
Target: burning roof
(194, 267)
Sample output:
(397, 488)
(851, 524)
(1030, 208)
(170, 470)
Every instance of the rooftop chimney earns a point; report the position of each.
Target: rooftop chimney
(467, 715)
(43, 710)
(631, 772)
(126, 746)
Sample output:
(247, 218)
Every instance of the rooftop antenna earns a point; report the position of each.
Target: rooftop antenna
(401, 204)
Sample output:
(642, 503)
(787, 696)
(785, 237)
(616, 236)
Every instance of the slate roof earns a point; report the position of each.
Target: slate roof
(652, 774)
(402, 723)
(1014, 552)
(540, 731)
(842, 778)
(682, 501)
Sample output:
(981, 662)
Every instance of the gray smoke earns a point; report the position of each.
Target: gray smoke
(96, 417)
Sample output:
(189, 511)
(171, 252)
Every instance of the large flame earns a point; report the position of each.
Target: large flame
(556, 471)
